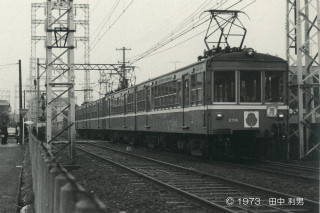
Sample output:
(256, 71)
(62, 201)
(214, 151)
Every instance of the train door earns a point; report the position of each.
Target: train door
(124, 109)
(87, 116)
(108, 112)
(98, 114)
(104, 113)
(185, 99)
(147, 104)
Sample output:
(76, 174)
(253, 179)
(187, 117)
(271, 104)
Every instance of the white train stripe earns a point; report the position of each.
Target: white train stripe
(190, 109)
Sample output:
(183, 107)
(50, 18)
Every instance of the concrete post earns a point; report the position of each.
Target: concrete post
(69, 197)
(53, 173)
(43, 182)
(59, 181)
(86, 205)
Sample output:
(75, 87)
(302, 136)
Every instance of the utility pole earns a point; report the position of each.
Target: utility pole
(123, 77)
(20, 103)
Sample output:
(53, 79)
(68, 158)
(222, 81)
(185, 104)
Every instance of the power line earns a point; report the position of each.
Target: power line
(115, 21)
(158, 46)
(179, 30)
(110, 26)
(105, 20)
(151, 50)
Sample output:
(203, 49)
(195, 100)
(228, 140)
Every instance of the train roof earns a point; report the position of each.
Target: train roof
(174, 72)
(242, 61)
(242, 56)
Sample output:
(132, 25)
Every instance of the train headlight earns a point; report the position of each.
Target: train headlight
(281, 115)
(219, 116)
(249, 51)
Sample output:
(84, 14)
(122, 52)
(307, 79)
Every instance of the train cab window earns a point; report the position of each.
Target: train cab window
(250, 86)
(274, 87)
(196, 89)
(224, 86)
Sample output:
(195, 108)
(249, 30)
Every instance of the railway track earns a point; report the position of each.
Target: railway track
(204, 189)
(290, 170)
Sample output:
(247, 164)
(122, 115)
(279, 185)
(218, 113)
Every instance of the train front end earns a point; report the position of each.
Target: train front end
(247, 109)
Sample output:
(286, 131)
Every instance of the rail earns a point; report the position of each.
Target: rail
(176, 181)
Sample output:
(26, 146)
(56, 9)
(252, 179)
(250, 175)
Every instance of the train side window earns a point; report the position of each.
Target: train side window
(121, 105)
(130, 102)
(196, 89)
(156, 97)
(250, 86)
(178, 94)
(148, 99)
(274, 86)
(224, 86)
(114, 106)
(141, 100)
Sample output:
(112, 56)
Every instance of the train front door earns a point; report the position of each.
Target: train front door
(185, 100)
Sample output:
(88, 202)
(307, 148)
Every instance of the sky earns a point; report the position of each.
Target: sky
(139, 25)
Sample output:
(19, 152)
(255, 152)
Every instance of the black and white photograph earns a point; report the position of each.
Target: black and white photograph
(171, 106)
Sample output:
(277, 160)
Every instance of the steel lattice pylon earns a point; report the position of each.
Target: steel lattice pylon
(87, 95)
(60, 28)
(81, 16)
(303, 48)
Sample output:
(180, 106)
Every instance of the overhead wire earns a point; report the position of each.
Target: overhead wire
(151, 50)
(248, 5)
(110, 26)
(116, 20)
(105, 21)
(166, 42)
(161, 27)
(185, 23)
(167, 39)
(171, 37)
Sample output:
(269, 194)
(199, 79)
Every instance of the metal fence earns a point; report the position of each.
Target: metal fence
(55, 189)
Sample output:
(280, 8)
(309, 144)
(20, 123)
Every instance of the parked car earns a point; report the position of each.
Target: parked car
(11, 132)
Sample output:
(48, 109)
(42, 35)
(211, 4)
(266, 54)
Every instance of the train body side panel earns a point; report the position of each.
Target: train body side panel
(165, 121)
(172, 122)
(130, 122)
(94, 123)
(117, 122)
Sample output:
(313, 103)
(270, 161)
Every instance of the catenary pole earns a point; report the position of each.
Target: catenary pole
(20, 102)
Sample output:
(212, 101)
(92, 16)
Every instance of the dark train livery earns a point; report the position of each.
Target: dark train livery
(229, 103)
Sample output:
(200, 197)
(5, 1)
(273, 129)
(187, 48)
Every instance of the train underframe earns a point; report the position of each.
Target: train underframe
(239, 144)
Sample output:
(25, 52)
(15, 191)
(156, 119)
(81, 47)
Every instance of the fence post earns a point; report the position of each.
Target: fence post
(69, 196)
(53, 173)
(86, 205)
(59, 181)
